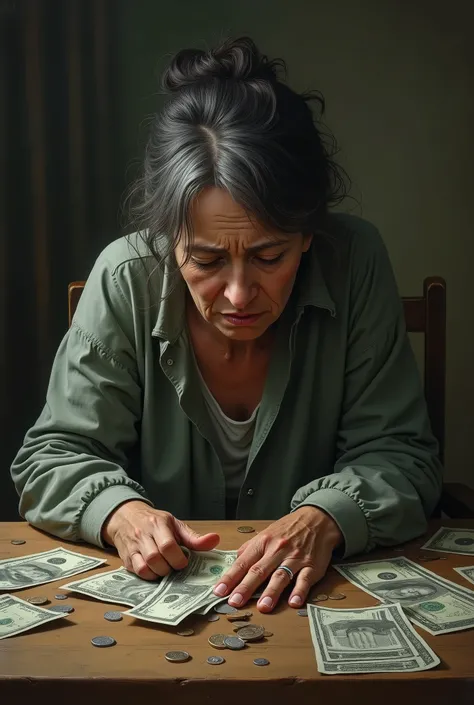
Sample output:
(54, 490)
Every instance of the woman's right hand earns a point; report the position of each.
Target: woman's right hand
(148, 540)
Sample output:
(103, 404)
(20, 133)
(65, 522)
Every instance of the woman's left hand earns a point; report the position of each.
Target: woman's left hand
(303, 541)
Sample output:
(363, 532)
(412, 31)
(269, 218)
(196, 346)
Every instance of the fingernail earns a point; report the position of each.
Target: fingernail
(295, 601)
(266, 602)
(236, 600)
(220, 589)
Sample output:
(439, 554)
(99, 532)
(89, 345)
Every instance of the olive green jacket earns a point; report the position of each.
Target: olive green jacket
(342, 423)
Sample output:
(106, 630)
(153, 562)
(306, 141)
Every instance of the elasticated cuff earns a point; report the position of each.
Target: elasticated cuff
(347, 514)
(99, 509)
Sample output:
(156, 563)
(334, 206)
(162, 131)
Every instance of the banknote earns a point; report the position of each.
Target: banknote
(368, 640)
(447, 540)
(181, 593)
(118, 586)
(435, 604)
(18, 616)
(46, 567)
(467, 572)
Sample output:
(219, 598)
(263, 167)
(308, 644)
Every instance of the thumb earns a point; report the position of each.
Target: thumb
(191, 539)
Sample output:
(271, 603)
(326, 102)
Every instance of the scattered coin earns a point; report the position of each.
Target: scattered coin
(302, 613)
(217, 641)
(237, 617)
(177, 656)
(443, 558)
(17, 542)
(425, 558)
(245, 529)
(238, 625)
(67, 609)
(215, 660)
(185, 632)
(103, 641)
(267, 634)
(113, 616)
(261, 661)
(213, 617)
(246, 615)
(234, 643)
(61, 597)
(225, 608)
(251, 632)
(40, 600)
(321, 597)
(337, 596)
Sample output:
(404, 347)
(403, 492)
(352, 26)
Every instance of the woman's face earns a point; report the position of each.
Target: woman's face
(239, 275)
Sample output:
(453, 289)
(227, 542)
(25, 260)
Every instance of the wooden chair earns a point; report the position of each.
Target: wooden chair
(426, 315)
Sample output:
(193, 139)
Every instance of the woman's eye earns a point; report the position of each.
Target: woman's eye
(205, 265)
(270, 260)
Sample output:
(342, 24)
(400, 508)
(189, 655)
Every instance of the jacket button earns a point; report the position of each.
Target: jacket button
(250, 492)
(169, 361)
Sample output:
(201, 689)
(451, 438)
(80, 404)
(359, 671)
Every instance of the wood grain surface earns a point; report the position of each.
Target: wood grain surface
(58, 660)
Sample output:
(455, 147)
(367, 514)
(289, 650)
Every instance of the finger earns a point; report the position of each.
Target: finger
(239, 569)
(191, 539)
(167, 546)
(305, 579)
(140, 568)
(153, 556)
(278, 582)
(256, 574)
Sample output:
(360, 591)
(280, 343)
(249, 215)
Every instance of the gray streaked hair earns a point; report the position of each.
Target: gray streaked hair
(230, 122)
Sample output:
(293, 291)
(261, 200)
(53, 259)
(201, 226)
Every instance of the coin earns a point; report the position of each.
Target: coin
(302, 613)
(425, 558)
(103, 641)
(251, 632)
(67, 609)
(225, 608)
(321, 597)
(40, 600)
(234, 643)
(236, 617)
(245, 529)
(113, 616)
(267, 634)
(217, 641)
(215, 660)
(61, 597)
(213, 617)
(337, 596)
(246, 615)
(261, 661)
(17, 542)
(238, 625)
(177, 656)
(185, 632)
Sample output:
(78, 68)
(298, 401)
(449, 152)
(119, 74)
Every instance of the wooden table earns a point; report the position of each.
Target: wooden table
(59, 661)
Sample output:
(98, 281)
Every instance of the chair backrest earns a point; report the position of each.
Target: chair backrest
(423, 314)
(74, 291)
(427, 314)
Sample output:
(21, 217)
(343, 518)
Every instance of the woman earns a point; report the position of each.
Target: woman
(243, 355)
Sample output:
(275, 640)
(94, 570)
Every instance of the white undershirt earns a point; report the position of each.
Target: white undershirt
(234, 439)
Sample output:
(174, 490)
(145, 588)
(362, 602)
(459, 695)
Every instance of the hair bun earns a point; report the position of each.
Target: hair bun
(237, 59)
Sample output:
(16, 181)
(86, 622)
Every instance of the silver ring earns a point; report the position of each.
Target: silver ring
(287, 570)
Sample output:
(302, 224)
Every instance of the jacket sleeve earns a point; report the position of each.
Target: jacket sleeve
(387, 477)
(71, 470)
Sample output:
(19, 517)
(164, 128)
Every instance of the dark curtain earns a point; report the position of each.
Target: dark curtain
(59, 192)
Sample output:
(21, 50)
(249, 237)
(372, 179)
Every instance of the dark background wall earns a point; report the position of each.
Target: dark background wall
(82, 78)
